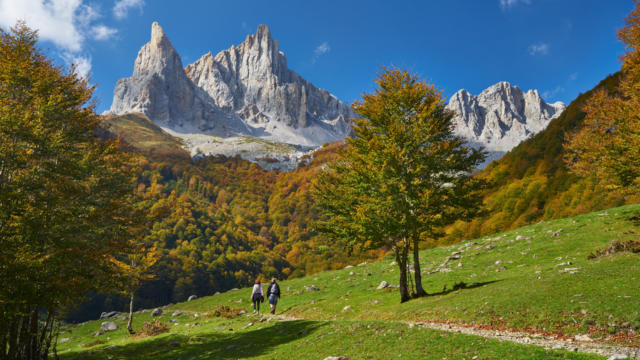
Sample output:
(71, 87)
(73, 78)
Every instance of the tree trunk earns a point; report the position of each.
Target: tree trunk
(130, 323)
(401, 258)
(416, 267)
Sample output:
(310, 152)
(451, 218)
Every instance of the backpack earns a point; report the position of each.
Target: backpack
(274, 289)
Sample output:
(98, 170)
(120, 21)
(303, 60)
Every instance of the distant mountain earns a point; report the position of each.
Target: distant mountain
(501, 116)
(246, 90)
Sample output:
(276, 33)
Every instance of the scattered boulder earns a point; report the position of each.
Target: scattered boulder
(348, 266)
(498, 262)
(311, 288)
(352, 273)
(174, 344)
(346, 308)
(176, 313)
(393, 263)
(617, 356)
(522, 237)
(64, 340)
(336, 358)
(156, 312)
(192, 297)
(108, 326)
(382, 285)
(98, 333)
(110, 314)
(583, 337)
(362, 263)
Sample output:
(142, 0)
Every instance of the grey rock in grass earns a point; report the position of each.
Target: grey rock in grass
(174, 344)
(108, 326)
(617, 356)
(192, 297)
(583, 337)
(110, 314)
(336, 358)
(347, 308)
(98, 333)
(348, 266)
(522, 237)
(383, 284)
(176, 313)
(311, 288)
(156, 312)
(64, 340)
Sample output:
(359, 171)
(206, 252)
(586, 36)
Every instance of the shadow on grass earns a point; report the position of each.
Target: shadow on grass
(462, 286)
(214, 345)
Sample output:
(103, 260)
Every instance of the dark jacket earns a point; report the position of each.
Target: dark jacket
(273, 289)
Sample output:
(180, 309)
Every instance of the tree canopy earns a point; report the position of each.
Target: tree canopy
(402, 176)
(608, 145)
(65, 201)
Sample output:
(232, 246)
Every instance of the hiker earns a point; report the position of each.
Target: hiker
(273, 294)
(257, 296)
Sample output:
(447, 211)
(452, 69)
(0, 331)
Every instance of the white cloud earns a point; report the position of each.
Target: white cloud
(508, 4)
(68, 24)
(573, 76)
(57, 21)
(122, 7)
(320, 50)
(82, 63)
(538, 49)
(101, 32)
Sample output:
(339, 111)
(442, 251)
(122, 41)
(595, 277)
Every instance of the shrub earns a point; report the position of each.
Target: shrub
(224, 311)
(616, 247)
(153, 328)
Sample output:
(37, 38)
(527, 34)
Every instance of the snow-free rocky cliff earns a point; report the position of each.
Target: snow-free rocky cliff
(218, 104)
(246, 90)
(501, 116)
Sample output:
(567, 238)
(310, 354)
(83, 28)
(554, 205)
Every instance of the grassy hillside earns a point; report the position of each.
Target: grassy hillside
(139, 131)
(536, 278)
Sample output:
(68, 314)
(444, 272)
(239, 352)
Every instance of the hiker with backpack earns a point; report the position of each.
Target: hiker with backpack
(273, 294)
(257, 296)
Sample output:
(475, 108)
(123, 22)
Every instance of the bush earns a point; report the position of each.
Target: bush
(153, 328)
(224, 311)
(616, 247)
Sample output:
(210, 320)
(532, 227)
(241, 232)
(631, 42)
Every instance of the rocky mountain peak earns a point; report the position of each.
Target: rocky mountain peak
(244, 90)
(501, 116)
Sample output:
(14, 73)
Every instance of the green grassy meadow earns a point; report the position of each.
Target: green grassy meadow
(536, 279)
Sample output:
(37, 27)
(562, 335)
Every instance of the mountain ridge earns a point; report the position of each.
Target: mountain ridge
(246, 90)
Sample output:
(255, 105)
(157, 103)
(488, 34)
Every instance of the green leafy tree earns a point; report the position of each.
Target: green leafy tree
(608, 144)
(402, 176)
(65, 195)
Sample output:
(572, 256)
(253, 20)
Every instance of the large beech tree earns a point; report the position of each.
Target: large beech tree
(65, 195)
(402, 176)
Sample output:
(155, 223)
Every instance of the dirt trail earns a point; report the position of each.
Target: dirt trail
(547, 342)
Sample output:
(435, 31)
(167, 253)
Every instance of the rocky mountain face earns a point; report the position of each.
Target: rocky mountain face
(246, 90)
(501, 116)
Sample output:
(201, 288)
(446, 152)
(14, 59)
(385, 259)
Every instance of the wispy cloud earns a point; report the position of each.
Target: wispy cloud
(101, 32)
(81, 62)
(538, 49)
(68, 24)
(320, 50)
(573, 76)
(508, 4)
(122, 7)
(548, 94)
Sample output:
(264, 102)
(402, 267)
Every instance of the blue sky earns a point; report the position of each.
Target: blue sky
(560, 47)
